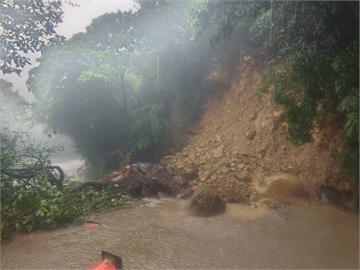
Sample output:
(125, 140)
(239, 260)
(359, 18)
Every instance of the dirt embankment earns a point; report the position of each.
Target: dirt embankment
(241, 145)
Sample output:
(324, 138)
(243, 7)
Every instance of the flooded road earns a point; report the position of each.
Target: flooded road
(163, 236)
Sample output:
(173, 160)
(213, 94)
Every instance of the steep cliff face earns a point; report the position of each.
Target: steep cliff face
(242, 139)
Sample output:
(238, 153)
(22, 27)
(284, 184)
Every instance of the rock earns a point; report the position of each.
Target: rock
(345, 185)
(250, 135)
(241, 166)
(247, 57)
(224, 171)
(193, 183)
(143, 167)
(262, 152)
(243, 176)
(179, 180)
(190, 173)
(204, 175)
(206, 202)
(218, 152)
(253, 116)
(185, 194)
(230, 198)
(265, 201)
(278, 119)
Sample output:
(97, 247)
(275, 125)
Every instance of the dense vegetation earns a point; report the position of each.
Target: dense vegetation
(312, 51)
(117, 88)
(27, 26)
(130, 85)
(32, 203)
(150, 65)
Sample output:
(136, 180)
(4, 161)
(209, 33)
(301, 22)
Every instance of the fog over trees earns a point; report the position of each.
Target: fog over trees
(132, 86)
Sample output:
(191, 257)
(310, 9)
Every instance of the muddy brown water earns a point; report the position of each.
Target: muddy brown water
(162, 235)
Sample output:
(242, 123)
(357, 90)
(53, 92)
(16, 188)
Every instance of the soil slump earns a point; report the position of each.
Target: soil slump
(163, 235)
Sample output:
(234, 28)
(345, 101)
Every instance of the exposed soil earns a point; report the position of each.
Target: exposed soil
(242, 140)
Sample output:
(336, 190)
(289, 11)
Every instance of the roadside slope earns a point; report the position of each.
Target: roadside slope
(242, 138)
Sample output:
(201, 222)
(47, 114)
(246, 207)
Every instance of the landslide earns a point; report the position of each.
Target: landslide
(241, 143)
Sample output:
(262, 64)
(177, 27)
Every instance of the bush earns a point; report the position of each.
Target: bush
(28, 204)
(315, 84)
(312, 49)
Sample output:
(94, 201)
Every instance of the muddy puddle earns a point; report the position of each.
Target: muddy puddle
(161, 235)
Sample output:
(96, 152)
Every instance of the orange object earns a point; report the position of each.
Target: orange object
(90, 225)
(108, 262)
(104, 265)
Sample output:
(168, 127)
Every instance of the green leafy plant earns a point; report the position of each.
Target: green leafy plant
(312, 51)
(28, 204)
(117, 88)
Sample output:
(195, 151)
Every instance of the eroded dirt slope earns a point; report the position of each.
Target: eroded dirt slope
(242, 139)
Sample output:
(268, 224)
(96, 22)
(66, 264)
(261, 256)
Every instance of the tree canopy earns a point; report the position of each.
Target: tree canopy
(26, 26)
(116, 88)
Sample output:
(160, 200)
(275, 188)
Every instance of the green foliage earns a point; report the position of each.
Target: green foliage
(316, 84)
(28, 204)
(114, 88)
(26, 26)
(312, 49)
(248, 19)
(148, 130)
(49, 207)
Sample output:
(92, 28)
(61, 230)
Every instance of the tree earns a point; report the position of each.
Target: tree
(312, 51)
(116, 88)
(14, 110)
(26, 26)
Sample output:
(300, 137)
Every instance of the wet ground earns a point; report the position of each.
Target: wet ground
(162, 235)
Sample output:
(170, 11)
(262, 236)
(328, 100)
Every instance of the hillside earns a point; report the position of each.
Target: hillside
(242, 141)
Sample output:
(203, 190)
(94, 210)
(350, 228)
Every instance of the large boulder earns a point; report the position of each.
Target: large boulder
(206, 202)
